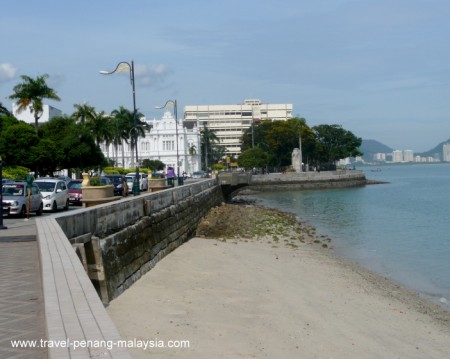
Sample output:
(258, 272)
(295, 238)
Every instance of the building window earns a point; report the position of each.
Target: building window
(168, 145)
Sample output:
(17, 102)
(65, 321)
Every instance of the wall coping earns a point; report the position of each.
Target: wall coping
(73, 309)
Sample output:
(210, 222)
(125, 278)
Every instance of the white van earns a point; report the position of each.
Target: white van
(143, 180)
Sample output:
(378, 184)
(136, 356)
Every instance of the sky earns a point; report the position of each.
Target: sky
(378, 68)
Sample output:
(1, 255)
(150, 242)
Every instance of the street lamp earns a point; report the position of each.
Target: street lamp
(175, 111)
(124, 66)
(206, 139)
(1, 195)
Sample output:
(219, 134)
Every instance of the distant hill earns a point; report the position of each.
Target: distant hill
(370, 147)
(436, 151)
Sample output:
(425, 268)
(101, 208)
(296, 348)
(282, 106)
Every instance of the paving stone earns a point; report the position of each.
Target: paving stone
(21, 301)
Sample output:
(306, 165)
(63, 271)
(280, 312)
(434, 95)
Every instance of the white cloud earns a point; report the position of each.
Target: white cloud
(7, 72)
(151, 76)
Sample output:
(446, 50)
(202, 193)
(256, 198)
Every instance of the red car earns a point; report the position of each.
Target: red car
(74, 192)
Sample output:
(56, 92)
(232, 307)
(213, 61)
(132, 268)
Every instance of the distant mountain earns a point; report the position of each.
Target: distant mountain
(370, 147)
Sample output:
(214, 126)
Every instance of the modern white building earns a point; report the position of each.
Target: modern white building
(27, 116)
(230, 121)
(160, 143)
(379, 157)
(397, 156)
(446, 152)
(408, 156)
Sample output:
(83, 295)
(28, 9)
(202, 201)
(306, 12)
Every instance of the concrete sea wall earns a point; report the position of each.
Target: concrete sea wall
(307, 180)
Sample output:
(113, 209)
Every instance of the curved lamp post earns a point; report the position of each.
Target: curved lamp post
(175, 111)
(1, 195)
(124, 66)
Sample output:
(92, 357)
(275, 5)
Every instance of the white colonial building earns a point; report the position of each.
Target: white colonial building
(160, 143)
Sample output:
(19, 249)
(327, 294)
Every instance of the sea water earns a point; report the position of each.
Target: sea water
(400, 229)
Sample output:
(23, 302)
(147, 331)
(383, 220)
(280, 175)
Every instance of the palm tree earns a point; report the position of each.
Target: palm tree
(4, 110)
(84, 113)
(192, 150)
(126, 130)
(138, 130)
(208, 138)
(31, 92)
(100, 127)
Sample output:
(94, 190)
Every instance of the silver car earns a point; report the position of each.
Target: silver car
(55, 193)
(199, 174)
(143, 180)
(15, 199)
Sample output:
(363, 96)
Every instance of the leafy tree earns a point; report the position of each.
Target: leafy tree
(335, 143)
(279, 138)
(16, 145)
(47, 156)
(6, 121)
(153, 165)
(254, 158)
(75, 141)
(32, 92)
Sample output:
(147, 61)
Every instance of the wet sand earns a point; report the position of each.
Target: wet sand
(265, 299)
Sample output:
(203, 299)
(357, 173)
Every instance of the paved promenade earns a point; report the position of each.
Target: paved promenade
(21, 300)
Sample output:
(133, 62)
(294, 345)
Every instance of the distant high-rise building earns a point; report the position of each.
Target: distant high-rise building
(446, 152)
(397, 156)
(379, 156)
(408, 156)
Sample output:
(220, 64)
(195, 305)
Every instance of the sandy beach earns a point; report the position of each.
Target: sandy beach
(247, 298)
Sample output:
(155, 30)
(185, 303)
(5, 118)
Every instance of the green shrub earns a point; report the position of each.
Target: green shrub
(15, 172)
(95, 181)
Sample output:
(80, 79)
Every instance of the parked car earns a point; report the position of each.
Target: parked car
(7, 180)
(143, 181)
(118, 181)
(157, 175)
(15, 198)
(104, 181)
(74, 191)
(54, 192)
(130, 180)
(64, 178)
(199, 174)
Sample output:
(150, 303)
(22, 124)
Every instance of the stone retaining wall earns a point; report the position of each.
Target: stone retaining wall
(119, 242)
